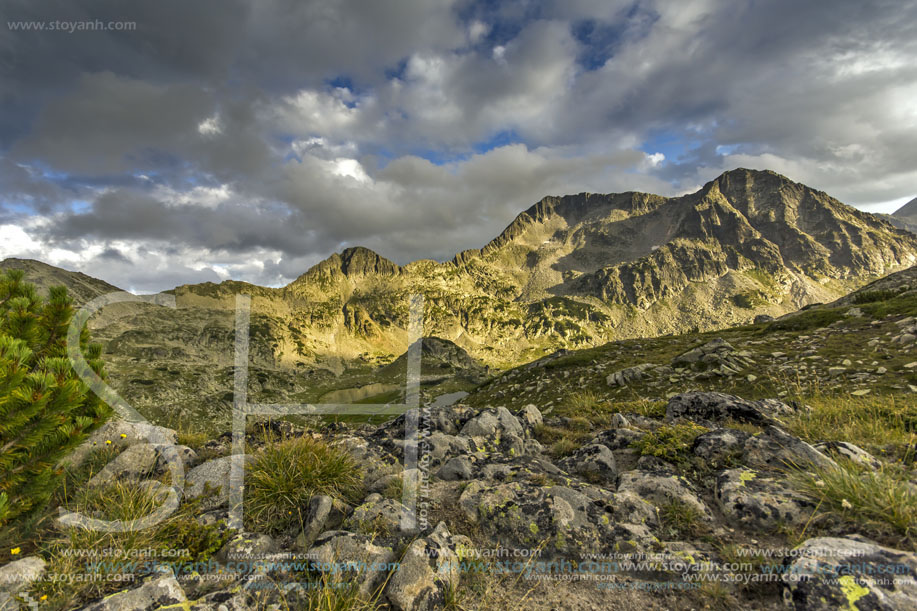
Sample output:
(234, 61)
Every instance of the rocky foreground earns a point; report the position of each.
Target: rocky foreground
(494, 521)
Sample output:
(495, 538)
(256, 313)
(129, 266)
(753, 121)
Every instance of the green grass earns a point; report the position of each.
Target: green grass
(561, 441)
(681, 520)
(670, 442)
(883, 424)
(178, 538)
(882, 498)
(286, 475)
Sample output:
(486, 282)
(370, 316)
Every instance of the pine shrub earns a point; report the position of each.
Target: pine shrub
(45, 409)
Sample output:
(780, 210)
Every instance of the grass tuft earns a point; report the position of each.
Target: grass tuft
(285, 476)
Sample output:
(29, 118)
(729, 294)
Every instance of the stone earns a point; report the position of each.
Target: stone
(384, 517)
(756, 502)
(594, 461)
(493, 423)
(325, 513)
(662, 489)
(831, 573)
(531, 418)
(456, 468)
(629, 375)
(353, 558)
(618, 421)
(212, 475)
(720, 444)
(712, 407)
(17, 577)
(850, 452)
(776, 449)
(246, 546)
(121, 434)
(429, 568)
(155, 593)
(141, 460)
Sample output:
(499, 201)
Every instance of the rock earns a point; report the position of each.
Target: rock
(850, 452)
(493, 423)
(618, 421)
(156, 593)
(531, 418)
(212, 475)
(832, 573)
(18, 576)
(139, 461)
(563, 519)
(629, 375)
(457, 468)
(712, 407)
(860, 393)
(325, 513)
(662, 489)
(246, 546)
(760, 319)
(836, 371)
(121, 434)
(594, 460)
(352, 557)
(758, 502)
(775, 449)
(429, 568)
(720, 445)
(382, 516)
(634, 509)
(618, 439)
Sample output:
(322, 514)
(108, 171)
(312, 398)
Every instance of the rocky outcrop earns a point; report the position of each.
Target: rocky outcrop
(833, 573)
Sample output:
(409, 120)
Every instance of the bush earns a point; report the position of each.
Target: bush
(286, 475)
(45, 409)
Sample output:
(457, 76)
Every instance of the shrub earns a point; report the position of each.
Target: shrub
(286, 475)
(45, 409)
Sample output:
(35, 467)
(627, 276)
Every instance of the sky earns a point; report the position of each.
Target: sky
(153, 144)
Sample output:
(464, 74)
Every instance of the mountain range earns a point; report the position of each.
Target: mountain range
(570, 272)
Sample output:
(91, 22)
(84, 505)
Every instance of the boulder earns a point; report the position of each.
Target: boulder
(831, 573)
(757, 502)
(429, 568)
(17, 577)
(347, 557)
(720, 445)
(121, 434)
(708, 408)
(155, 593)
(777, 449)
(382, 516)
(325, 513)
(629, 375)
(594, 461)
(212, 475)
(662, 489)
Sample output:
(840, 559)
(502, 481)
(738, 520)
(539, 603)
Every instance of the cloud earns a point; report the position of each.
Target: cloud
(250, 140)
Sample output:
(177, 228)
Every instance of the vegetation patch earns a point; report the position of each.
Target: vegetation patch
(670, 442)
(285, 476)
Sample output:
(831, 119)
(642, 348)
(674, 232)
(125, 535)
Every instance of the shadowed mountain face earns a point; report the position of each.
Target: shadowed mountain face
(904, 217)
(570, 272)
